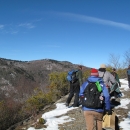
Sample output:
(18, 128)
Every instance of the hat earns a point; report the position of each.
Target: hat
(102, 66)
(94, 72)
(114, 69)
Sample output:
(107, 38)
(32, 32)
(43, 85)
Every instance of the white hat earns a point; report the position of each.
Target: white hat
(102, 66)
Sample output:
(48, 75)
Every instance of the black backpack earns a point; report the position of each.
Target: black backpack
(93, 98)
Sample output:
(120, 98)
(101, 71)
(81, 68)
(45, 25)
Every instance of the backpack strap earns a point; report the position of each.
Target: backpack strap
(99, 88)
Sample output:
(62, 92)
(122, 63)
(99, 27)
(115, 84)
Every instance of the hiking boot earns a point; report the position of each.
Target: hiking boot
(67, 104)
(73, 105)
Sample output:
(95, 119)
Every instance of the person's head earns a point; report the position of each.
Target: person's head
(102, 68)
(80, 67)
(94, 72)
(113, 69)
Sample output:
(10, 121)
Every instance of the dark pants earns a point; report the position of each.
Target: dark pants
(74, 90)
(112, 90)
(114, 93)
(129, 81)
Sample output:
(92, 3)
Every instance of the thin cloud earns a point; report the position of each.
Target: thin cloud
(85, 18)
(14, 32)
(53, 46)
(37, 20)
(1, 26)
(27, 25)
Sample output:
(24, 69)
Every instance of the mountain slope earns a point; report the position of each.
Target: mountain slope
(19, 78)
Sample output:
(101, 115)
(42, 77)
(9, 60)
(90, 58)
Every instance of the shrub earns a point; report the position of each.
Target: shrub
(41, 121)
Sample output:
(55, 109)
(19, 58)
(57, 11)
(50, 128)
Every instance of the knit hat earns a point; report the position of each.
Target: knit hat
(102, 66)
(94, 72)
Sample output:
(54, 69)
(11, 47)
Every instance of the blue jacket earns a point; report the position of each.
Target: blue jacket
(104, 90)
(128, 71)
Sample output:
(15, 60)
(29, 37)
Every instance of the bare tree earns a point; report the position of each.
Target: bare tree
(114, 61)
(127, 57)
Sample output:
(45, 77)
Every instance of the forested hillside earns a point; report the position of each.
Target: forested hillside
(25, 85)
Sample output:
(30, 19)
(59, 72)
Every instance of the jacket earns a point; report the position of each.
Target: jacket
(104, 91)
(116, 76)
(128, 73)
(108, 78)
(79, 75)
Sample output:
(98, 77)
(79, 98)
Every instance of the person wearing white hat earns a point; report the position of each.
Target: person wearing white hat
(108, 78)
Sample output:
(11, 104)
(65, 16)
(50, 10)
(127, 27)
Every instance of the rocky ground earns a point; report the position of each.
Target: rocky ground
(78, 122)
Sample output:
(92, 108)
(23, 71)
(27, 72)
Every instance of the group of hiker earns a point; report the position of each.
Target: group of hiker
(95, 94)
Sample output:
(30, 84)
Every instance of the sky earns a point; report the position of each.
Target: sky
(52, 119)
(79, 31)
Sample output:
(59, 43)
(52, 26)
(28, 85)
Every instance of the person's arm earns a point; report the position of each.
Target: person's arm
(82, 88)
(107, 97)
(80, 78)
(112, 78)
(117, 79)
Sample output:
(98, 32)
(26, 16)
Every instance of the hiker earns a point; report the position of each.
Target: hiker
(115, 90)
(75, 88)
(116, 76)
(93, 114)
(108, 78)
(128, 75)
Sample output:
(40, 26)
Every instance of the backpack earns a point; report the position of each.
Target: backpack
(128, 72)
(93, 96)
(72, 76)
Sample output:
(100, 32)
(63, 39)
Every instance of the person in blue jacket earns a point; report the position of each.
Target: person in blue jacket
(91, 114)
(128, 75)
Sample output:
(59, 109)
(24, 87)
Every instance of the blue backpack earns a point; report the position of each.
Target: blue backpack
(72, 76)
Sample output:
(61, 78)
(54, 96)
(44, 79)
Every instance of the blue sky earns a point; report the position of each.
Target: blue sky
(79, 31)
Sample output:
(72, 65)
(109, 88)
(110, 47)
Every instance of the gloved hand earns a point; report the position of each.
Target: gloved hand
(81, 99)
(108, 112)
(119, 95)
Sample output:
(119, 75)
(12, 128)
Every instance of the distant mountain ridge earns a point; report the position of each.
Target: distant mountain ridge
(21, 77)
